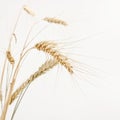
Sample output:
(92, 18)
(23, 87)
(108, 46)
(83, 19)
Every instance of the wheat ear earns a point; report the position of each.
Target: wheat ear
(49, 47)
(55, 20)
(28, 10)
(10, 58)
(43, 69)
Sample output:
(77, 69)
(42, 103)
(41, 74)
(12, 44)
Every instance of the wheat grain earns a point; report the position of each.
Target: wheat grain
(28, 10)
(10, 58)
(55, 20)
(43, 69)
(49, 47)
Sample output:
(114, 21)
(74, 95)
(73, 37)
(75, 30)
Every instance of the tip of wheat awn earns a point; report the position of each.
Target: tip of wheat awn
(28, 10)
(55, 20)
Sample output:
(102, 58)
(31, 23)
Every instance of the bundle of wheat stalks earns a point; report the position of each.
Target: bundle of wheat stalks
(9, 94)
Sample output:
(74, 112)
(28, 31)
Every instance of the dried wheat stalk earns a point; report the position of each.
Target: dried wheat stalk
(49, 48)
(0, 95)
(55, 20)
(44, 68)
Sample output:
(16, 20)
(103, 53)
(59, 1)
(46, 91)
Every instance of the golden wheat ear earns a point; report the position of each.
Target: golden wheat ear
(48, 47)
(29, 10)
(10, 57)
(43, 69)
(55, 20)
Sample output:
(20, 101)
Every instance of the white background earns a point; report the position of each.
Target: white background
(55, 96)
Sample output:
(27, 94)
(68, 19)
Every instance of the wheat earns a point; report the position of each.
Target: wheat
(43, 69)
(63, 60)
(55, 20)
(28, 10)
(0, 95)
(10, 58)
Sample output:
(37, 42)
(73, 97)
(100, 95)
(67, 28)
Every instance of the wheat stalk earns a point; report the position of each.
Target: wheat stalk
(55, 20)
(0, 95)
(43, 69)
(49, 47)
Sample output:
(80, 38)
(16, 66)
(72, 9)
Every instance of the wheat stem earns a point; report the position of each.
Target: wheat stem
(36, 35)
(1, 81)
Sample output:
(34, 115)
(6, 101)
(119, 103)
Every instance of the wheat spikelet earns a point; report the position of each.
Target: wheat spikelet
(28, 10)
(55, 20)
(50, 49)
(44, 68)
(10, 58)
